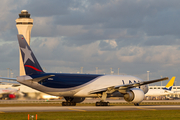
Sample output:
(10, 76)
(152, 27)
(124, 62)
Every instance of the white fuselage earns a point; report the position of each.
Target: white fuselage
(85, 89)
(157, 92)
(7, 91)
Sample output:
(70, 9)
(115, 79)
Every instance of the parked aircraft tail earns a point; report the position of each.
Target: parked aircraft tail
(170, 84)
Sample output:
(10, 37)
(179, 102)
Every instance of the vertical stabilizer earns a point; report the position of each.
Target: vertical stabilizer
(30, 62)
(170, 83)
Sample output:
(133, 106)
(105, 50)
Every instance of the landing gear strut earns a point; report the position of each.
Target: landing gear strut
(103, 98)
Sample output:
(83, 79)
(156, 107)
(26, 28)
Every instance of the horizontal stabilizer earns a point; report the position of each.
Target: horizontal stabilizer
(6, 78)
(12, 81)
(16, 85)
(40, 78)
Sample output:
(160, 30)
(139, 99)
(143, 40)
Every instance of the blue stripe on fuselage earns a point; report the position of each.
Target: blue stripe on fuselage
(62, 80)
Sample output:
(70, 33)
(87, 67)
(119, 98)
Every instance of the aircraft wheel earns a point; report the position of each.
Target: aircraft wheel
(73, 104)
(98, 104)
(136, 104)
(102, 103)
(63, 103)
(68, 104)
(107, 104)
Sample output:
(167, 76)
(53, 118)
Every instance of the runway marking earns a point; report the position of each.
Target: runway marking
(77, 109)
(144, 108)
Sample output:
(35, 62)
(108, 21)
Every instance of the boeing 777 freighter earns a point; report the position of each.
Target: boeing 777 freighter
(76, 87)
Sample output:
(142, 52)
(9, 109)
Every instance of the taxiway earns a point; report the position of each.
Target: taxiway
(86, 108)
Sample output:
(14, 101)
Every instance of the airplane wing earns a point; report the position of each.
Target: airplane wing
(126, 86)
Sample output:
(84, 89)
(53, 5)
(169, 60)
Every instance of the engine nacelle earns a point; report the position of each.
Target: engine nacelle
(135, 95)
(11, 96)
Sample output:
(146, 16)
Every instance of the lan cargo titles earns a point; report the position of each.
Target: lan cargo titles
(76, 87)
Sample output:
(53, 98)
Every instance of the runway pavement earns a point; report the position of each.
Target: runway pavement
(93, 101)
(86, 108)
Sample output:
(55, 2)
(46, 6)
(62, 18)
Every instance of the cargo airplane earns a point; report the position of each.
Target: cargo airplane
(9, 93)
(76, 87)
(164, 91)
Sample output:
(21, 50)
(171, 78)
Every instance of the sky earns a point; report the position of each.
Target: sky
(134, 36)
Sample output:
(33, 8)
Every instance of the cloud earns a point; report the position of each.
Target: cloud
(134, 35)
(108, 45)
(163, 23)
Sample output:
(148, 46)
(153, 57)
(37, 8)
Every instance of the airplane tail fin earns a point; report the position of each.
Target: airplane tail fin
(31, 64)
(170, 84)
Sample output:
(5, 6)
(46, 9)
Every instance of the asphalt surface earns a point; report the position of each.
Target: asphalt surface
(85, 101)
(85, 108)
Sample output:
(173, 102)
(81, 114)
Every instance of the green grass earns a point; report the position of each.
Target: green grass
(98, 115)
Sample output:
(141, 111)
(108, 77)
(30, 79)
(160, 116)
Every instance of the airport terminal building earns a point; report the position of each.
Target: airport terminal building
(175, 91)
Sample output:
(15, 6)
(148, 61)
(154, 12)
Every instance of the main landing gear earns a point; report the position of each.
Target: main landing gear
(103, 98)
(69, 102)
(102, 103)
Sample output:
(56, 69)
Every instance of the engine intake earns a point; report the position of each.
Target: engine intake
(135, 95)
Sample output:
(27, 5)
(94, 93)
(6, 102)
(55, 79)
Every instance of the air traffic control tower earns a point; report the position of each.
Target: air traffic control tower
(24, 25)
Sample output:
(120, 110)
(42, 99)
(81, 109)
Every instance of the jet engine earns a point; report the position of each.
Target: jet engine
(11, 96)
(134, 95)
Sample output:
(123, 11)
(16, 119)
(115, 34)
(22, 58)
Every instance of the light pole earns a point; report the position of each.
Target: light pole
(12, 75)
(8, 72)
(81, 70)
(112, 71)
(96, 70)
(148, 76)
(118, 71)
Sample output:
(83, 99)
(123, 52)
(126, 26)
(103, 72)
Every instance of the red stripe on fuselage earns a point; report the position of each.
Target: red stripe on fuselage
(33, 68)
